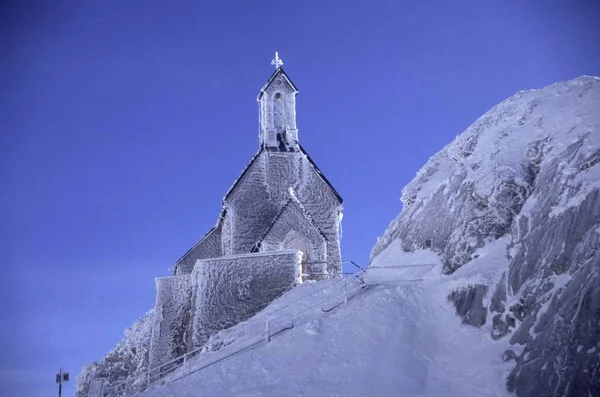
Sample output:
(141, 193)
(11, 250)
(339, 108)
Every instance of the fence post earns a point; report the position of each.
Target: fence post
(267, 336)
(345, 293)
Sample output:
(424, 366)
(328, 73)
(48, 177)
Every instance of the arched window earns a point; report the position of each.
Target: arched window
(278, 112)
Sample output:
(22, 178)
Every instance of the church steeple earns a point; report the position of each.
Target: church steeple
(277, 108)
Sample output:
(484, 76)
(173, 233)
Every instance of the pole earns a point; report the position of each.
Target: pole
(267, 337)
(60, 382)
(345, 293)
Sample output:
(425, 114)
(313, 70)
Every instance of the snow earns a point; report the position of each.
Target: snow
(394, 265)
(512, 209)
(400, 341)
(495, 147)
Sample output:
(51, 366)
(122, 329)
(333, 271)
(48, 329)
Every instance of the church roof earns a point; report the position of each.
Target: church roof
(310, 160)
(212, 230)
(278, 71)
(239, 178)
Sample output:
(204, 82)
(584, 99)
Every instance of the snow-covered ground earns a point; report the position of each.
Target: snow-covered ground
(403, 340)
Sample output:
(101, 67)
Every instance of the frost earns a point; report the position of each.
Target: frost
(229, 290)
(128, 358)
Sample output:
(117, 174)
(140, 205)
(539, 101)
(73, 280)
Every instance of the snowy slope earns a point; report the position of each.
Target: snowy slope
(388, 341)
(526, 173)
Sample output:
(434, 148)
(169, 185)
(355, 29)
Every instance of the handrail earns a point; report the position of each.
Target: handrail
(181, 360)
(403, 266)
(355, 264)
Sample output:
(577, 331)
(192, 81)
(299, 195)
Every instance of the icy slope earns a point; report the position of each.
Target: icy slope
(388, 341)
(526, 173)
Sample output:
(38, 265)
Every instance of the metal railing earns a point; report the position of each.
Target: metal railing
(412, 274)
(273, 325)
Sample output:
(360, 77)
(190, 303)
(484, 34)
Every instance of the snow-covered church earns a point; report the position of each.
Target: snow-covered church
(279, 225)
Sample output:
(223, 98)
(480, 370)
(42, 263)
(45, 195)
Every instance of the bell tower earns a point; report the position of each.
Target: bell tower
(277, 111)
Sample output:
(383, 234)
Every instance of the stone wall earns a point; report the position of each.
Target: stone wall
(250, 209)
(324, 207)
(171, 332)
(231, 289)
(293, 221)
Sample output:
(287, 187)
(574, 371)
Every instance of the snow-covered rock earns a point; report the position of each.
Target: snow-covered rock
(128, 358)
(524, 178)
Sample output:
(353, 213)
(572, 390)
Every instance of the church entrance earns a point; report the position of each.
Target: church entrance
(296, 243)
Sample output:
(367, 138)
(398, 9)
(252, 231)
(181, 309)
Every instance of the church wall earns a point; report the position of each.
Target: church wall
(323, 206)
(293, 221)
(231, 289)
(171, 334)
(208, 247)
(226, 233)
(282, 172)
(251, 209)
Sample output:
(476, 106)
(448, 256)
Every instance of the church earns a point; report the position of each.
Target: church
(279, 225)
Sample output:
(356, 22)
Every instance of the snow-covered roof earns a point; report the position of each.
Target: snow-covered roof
(239, 178)
(310, 160)
(206, 235)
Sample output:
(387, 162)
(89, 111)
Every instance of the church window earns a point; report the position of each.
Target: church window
(278, 112)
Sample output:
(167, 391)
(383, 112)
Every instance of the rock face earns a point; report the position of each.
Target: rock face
(527, 171)
(128, 358)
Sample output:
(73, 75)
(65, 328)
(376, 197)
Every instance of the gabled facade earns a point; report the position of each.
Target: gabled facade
(279, 225)
(279, 173)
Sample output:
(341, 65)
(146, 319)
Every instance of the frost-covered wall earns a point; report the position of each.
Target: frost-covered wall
(231, 289)
(282, 172)
(264, 189)
(324, 208)
(250, 209)
(171, 332)
(292, 222)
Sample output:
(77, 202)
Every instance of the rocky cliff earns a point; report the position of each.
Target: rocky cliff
(527, 172)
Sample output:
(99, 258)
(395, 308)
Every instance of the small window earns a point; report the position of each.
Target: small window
(278, 112)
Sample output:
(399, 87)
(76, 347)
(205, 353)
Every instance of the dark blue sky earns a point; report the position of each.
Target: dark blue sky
(123, 124)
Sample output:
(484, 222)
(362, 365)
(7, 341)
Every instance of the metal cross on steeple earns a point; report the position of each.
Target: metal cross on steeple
(277, 62)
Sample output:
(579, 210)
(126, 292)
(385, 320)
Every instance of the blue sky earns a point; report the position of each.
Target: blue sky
(123, 124)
